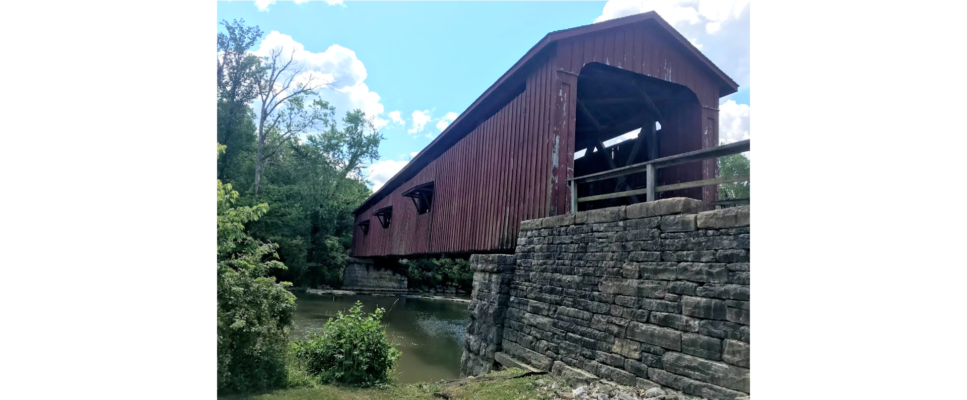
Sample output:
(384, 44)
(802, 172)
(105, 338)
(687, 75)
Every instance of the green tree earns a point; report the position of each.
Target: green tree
(314, 188)
(437, 272)
(734, 165)
(237, 74)
(313, 184)
(254, 310)
(285, 111)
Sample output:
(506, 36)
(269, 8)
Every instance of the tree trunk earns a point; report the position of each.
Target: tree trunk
(258, 168)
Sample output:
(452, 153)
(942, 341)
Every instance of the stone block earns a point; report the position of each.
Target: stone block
(736, 353)
(716, 373)
(530, 225)
(642, 223)
(614, 374)
(641, 210)
(660, 305)
(727, 292)
(705, 256)
(678, 223)
(674, 321)
(667, 379)
(723, 330)
(703, 272)
(572, 376)
(540, 321)
(650, 359)
(627, 287)
(528, 356)
(510, 362)
(557, 221)
(627, 348)
(732, 256)
(655, 335)
(657, 270)
(704, 308)
(724, 218)
(651, 349)
(692, 386)
(740, 278)
(610, 214)
(652, 289)
(637, 368)
(574, 313)
(682, 288)
(742, 266)
(640, 315)
(675, 205)
(744, 241)
(702, 346)
(745, 305)
(678, 205)
(606, 358)
(738, 316)
(648, 387)
(505, 259)
(629, 271)
(644, 256)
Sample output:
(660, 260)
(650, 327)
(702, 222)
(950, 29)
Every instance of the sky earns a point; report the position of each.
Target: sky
(413, 67)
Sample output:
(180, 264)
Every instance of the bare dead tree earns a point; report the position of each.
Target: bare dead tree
(282, 90)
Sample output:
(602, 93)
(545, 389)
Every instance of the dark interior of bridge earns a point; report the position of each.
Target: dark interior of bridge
(624, 118)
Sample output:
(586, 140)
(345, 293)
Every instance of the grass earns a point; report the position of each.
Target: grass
(500, 385)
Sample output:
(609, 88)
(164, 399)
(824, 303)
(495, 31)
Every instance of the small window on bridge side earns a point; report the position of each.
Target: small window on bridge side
(422, 196)
(364, 226)
(384, 214)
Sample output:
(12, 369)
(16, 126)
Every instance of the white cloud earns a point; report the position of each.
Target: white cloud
(420, 118)
(695, 43)
(673, 11)
(446, 121)
(733, 122)
(338, 67)
(329, 2)
(396, 117)
(263, 5)
(381, 171)
(720, 28)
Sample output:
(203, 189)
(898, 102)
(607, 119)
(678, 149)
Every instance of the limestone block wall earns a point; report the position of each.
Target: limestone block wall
(652, 294)
(362, 275)
(488, 307)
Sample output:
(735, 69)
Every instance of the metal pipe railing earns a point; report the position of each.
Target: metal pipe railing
(651, 167)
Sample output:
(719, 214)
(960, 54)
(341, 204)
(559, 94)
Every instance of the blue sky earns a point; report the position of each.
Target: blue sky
(414, 66)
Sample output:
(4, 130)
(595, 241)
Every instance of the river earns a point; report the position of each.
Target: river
(430, 333)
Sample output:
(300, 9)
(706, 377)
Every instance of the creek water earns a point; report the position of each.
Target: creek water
(430, 333)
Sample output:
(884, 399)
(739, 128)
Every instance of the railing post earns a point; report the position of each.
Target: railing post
(650, 181)
(574, 197)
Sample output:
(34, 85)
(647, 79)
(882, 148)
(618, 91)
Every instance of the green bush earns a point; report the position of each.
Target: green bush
(352, 350)
(254, 311)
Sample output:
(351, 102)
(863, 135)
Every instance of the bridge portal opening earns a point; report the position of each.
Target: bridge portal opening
(625, 118)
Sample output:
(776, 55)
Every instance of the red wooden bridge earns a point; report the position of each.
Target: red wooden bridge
(514, 153)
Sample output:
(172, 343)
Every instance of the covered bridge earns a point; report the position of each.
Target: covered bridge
(509, 157)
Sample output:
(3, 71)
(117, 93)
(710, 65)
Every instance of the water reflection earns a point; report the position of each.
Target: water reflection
(430, 333)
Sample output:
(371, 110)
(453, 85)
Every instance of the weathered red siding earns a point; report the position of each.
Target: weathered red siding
(513, 166)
